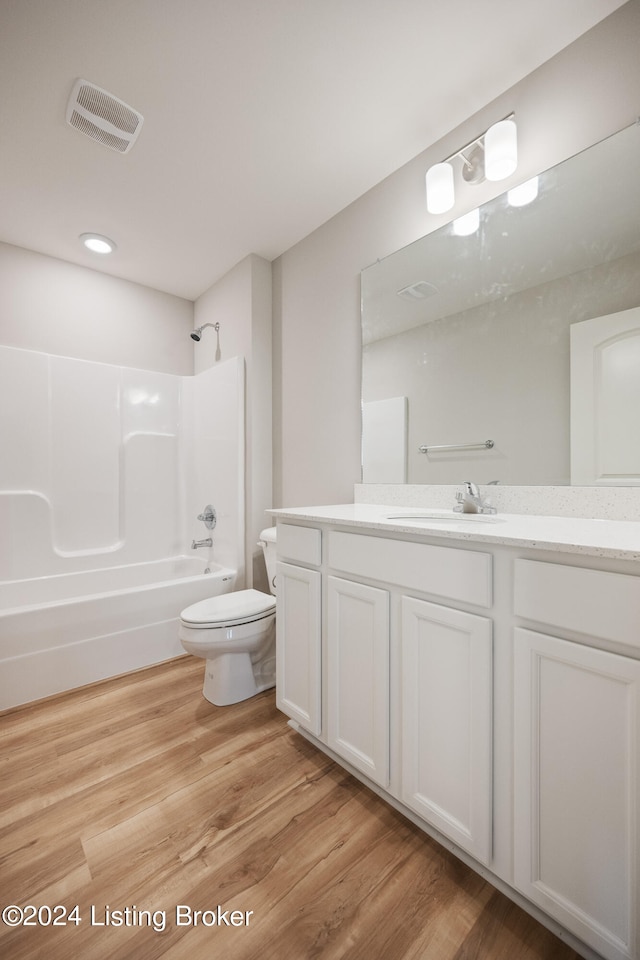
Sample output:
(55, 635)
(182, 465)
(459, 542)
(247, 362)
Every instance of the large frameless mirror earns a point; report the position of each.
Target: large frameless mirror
(513, 353)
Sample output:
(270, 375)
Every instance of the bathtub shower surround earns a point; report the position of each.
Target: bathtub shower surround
(126, 619)
(103, 470)
(213, 452)
(90, 472)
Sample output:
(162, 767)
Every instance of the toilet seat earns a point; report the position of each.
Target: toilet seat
(230, 609)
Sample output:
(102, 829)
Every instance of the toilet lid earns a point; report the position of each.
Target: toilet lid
(237, 607)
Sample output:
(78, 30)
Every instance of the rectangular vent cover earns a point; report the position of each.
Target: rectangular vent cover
(103, 117)
(418, 291)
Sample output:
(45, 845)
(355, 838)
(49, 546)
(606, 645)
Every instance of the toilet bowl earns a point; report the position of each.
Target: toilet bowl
(235, 634)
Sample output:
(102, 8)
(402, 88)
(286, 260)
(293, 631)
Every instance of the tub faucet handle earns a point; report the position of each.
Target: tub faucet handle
(208, 517)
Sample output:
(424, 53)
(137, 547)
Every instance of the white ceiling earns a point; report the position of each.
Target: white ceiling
(262, 118)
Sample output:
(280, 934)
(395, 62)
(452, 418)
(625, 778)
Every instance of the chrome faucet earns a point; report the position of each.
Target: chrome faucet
(470, 500)
(201, 543)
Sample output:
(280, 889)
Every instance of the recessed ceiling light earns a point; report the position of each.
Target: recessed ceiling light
(97, 243)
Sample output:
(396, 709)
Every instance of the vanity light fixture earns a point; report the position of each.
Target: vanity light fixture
(491, 156)
(525, 193)
(98, 243)
(466, 225)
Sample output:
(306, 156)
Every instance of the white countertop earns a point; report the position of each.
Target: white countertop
(617, 539)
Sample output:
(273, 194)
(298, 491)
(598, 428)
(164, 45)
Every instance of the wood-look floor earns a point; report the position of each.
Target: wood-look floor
(138, 793)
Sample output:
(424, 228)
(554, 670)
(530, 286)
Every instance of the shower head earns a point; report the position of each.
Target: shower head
(197, 333)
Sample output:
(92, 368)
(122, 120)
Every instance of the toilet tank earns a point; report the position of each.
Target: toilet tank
(268, 543)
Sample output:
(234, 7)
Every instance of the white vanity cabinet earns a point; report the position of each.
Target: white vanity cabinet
(298, 626)
(489, 689)
(577, 752)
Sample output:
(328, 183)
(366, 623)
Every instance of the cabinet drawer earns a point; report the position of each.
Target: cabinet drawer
(299, 544)
(463, 575)
(594, 602)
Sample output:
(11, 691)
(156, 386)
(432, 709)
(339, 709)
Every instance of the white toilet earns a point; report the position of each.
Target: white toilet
(236, 634)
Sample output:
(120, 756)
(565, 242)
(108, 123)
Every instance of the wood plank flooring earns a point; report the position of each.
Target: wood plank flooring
(138, 795)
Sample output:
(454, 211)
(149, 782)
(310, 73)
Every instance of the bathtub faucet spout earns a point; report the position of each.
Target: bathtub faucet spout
(201, 543)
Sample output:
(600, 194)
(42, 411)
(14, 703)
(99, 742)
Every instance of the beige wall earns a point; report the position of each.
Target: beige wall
(587, 92)
(66, 310)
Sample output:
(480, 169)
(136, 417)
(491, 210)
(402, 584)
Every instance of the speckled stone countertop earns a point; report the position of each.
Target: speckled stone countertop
(615, 539)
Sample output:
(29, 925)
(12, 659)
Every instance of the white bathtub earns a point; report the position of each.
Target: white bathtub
(64, 631)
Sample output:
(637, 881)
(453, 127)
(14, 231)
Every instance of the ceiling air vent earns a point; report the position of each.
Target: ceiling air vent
(103, 117)
(418, 291)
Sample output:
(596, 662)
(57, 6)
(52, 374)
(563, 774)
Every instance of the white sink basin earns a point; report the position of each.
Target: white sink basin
(446, 516)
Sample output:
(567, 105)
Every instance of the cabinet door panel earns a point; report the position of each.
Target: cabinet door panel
(298, 645)
(447, 722)
(577, 822)
(358, 676)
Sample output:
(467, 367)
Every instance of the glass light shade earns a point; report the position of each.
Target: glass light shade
(466, 225)
(440, 192)
(524, 194)
(500, 150)
(97, 243)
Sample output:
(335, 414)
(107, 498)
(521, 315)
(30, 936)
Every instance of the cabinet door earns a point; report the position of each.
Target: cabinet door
(447, 722)
(577, 822)
(298, 632)
(358, 676)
